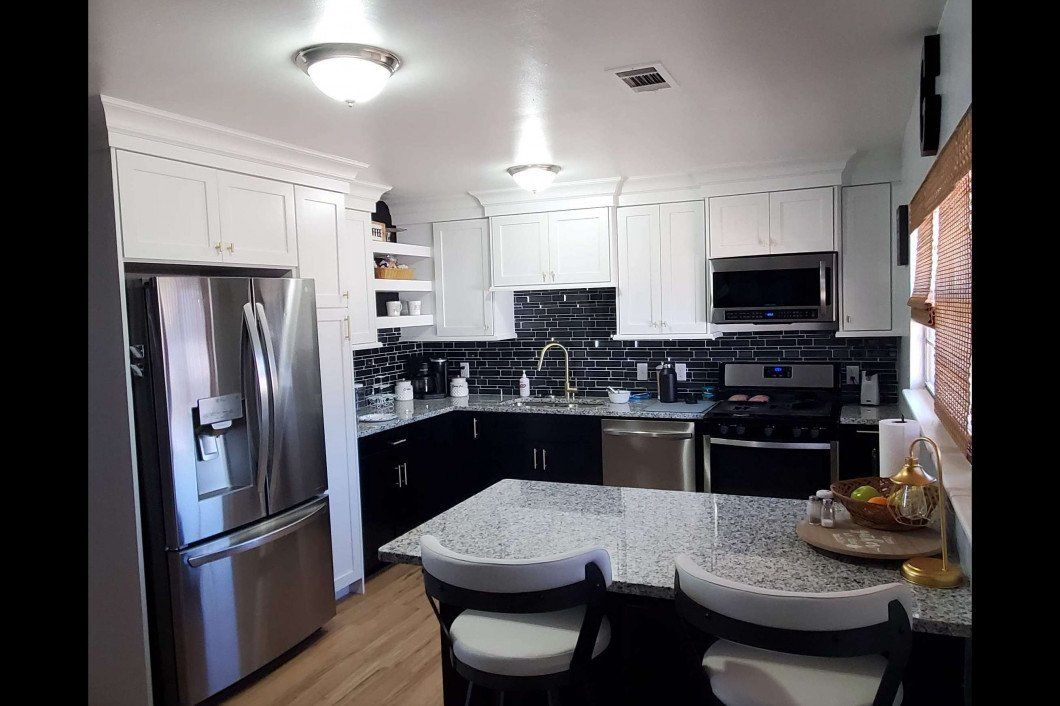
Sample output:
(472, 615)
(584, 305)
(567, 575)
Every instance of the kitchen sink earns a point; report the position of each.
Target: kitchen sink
(556, 402)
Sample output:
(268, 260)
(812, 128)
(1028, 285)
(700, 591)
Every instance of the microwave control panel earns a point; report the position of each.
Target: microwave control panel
(770, 314)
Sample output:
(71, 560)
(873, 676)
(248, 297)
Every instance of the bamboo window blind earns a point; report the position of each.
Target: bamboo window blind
(942, 281)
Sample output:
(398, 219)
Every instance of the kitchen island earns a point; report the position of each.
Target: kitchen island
(746, 539)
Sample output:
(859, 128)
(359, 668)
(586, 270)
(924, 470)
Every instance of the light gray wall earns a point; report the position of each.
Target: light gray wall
(118, 658)
(954, 84)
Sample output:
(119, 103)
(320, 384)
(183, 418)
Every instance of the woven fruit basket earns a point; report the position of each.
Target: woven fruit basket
(874, 515)
(394, 273)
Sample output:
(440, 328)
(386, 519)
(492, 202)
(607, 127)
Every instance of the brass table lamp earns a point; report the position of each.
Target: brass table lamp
(909, 503)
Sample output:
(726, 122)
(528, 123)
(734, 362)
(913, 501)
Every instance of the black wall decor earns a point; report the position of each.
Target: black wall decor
(930, 101)
(903, 235)
(584, 320)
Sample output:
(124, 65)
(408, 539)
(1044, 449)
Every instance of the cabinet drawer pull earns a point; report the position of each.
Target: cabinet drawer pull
(399, 441)
(544, 460)
(868, 431)
(535, 459)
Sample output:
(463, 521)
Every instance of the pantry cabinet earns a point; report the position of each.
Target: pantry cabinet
(464, 306)
(173, 211)
(558, 248)
(799, 220)
(662, 290)
(866, 259)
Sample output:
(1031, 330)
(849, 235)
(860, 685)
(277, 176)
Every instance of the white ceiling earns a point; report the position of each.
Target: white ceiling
(491, 83)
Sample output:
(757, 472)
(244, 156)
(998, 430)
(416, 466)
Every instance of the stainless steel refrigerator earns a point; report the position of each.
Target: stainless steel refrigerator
(230, 440)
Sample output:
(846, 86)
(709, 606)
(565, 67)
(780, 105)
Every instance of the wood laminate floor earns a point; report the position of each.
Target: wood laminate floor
(381, 648)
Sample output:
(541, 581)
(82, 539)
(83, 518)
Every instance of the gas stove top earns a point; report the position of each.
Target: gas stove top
(779, 406)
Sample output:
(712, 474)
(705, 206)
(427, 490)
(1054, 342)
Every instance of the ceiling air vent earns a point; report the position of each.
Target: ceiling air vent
(645, 77)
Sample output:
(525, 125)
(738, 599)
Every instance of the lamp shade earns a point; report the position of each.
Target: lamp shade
(352, 73)
(534, 177)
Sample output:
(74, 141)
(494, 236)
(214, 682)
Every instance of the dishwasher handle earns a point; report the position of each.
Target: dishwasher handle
(651, 434)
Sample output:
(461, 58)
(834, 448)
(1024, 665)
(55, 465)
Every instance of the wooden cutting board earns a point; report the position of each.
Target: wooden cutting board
(852, 539)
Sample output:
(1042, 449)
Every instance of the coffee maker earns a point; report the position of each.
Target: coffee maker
(428, 377)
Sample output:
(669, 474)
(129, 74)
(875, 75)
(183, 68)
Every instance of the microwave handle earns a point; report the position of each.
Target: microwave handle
(824, 284)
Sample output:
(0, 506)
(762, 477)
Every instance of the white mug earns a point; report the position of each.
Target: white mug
(414, 308)
(403, 390)
(393, 308)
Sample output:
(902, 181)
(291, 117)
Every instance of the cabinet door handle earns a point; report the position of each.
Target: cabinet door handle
(535, 459)
(398, 469)
(231, 247)
(346, 295)
(405, 473)
(663, 323)
(553, 275)
(347, 320)
(652, 324)
(544, 276)
(219, 247)
(544, 460)
(474, 427)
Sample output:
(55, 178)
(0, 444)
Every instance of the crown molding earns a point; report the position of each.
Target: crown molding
(141, 128)
(453, 207)
(589, 193)
(363, 195)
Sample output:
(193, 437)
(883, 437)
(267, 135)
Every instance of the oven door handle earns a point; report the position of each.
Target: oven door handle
(797, 446)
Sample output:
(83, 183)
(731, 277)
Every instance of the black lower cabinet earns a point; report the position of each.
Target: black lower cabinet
(556, 448)
(859, 450)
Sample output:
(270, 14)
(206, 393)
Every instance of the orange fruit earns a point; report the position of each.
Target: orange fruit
(878, 500)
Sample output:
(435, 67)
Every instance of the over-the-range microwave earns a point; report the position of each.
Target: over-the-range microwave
(774, 292)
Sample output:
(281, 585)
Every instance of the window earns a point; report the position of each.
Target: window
(941, 299)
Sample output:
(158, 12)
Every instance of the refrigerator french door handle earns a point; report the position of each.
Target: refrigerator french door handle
(270, 358)
(261, 384)
(254, 542)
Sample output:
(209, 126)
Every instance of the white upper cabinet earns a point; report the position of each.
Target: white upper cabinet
(801, 220)
(739, 225)
(520, 249)
(662, 270)
(538, 250)
(579, 246)
(463, 304)
(169, 210)
(357, 274)
(257, 220)
(322, 247)
(866, 258)
(638, 270)
(683, 268)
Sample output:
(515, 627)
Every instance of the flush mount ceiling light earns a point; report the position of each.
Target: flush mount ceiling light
(352, 73)
(534, 177)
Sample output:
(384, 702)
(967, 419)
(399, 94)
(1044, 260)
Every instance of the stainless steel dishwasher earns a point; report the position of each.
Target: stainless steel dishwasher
(649, 454)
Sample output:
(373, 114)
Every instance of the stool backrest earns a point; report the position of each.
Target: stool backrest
(511, 575)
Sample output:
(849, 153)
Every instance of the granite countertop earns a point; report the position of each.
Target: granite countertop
(867, 414)
(415, 410)
(746, 539)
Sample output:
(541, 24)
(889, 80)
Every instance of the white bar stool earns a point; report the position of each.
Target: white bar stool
(784, 648)
(517, 625)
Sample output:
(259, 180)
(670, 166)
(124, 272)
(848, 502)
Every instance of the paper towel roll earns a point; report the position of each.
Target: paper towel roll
(895, 437)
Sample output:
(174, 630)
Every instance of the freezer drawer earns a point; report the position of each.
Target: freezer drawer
(646, 454)
(242, 600)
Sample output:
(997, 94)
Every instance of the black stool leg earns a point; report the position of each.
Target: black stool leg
(467, 697)
(553, 697)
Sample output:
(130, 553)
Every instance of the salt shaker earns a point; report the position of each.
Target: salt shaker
(827, 508)
(813, 510)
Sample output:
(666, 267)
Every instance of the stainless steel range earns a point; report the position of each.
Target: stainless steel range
(774, 433)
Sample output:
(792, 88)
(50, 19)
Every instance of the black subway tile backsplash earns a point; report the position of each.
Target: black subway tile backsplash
(584, 320)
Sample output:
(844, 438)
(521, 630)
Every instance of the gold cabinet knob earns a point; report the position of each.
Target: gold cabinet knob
(231, 247)
(346, 294)
(219, 246)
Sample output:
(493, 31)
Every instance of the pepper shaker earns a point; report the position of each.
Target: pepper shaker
(813, 510)
(827, 508)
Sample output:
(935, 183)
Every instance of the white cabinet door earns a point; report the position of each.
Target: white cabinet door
(638, 270)
(257, 220)
(168, 209)
(683, 268)
(340, 445)
(463, 304)
(579, 246)
(801, 220)
(739, 225)
(519, 249)
(357, 274)
(866, 258)
(320, 216)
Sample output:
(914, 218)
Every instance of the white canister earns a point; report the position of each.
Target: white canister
(393, 308)
(458, 387)
(414, 307)
(403, 390)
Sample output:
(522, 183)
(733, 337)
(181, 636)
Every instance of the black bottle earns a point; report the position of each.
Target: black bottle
(667, 376)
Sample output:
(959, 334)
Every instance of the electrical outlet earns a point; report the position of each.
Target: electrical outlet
(642, 371)
(853, 375)
(465, 370)
(682, 372)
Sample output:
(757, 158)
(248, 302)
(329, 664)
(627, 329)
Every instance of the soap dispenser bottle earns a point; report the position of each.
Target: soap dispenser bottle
(524, 385)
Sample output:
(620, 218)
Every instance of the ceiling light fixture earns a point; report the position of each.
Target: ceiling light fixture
(534, 177)
(352, 73)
